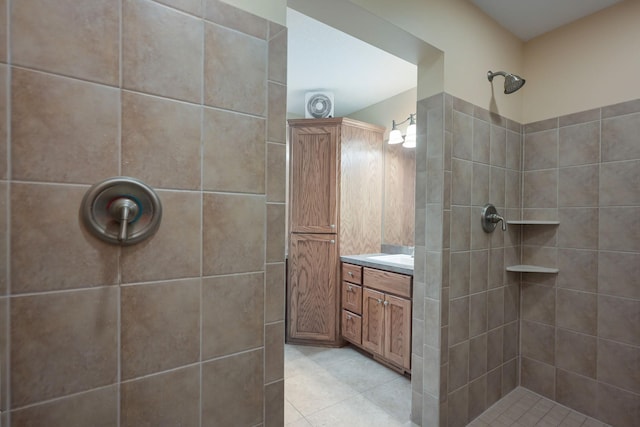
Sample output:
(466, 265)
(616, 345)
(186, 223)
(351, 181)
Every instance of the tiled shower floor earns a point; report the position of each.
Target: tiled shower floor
(341, 387)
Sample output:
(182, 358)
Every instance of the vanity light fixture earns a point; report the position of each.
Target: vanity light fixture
(409, 139)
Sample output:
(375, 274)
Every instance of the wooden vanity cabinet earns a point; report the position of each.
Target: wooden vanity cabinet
(385, 314)
(351, 303)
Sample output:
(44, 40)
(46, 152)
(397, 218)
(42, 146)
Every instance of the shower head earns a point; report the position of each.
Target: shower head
(511, 82)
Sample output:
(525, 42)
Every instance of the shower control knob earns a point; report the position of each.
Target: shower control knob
(124, 210)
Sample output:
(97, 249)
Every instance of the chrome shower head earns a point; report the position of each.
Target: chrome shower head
(511, 82)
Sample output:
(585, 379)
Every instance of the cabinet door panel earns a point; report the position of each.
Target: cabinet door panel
(313, 292)
(397, 345)
(352, 297)
(352, 327)
(313, 179)
(373, 321)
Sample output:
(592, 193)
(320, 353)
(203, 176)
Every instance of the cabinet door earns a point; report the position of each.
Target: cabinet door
(397, 342)
(313, 291)
(313, 179)
(352, 297)
(373, 321)
(352, 327)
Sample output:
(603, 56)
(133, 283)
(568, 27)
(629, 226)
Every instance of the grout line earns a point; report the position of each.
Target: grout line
(201, 188)
(6, 393)
(119, 250)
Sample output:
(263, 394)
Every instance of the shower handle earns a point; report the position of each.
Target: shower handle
(490, 218)
(124, 210)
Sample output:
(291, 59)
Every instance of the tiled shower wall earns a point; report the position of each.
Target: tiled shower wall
(466, 308)
(187, 327)
(581, 328)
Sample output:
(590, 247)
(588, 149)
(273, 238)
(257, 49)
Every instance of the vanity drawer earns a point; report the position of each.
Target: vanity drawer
(386, 281)
(352, 327)
(352, 297)
(352, 273)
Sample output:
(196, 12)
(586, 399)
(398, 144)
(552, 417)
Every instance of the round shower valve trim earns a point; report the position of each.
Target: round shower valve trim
(121, 210)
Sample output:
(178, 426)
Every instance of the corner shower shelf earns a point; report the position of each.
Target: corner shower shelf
(532, 269)
(532, 222)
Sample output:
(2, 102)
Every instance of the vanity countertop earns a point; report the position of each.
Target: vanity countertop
(369, 260)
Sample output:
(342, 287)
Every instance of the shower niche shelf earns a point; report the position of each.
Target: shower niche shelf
(525, 268)
(532, 269)
(532, 222)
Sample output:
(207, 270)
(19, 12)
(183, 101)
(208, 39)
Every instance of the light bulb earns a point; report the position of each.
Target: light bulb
(395, 137)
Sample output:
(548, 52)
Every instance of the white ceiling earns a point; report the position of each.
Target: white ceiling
(321, 58)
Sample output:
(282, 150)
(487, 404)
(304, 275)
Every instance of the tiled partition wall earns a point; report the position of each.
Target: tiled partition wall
(187, 327)
(581, 328)
(466, 308)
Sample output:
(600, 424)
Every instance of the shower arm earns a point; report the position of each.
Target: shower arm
(491, 74)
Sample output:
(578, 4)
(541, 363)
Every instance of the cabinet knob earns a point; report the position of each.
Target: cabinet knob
(349, 288)
(350, 273)
(379, 301)
(386, 303)
(332, 241)
(348, 317)
(333, 226)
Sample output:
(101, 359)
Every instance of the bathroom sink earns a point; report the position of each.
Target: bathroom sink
(402, 259)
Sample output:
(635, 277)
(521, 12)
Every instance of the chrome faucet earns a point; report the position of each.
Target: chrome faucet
(490, 218)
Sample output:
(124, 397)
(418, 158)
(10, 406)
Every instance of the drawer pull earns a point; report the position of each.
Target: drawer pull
(349, 288)
(379, 301)
(348, 317)
(350, 273)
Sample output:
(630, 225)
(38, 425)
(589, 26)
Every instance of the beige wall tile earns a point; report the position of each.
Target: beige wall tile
(496, 190)
(190, 6)
(620, 229)
(511, 302)
(459, 274)
(621, 108)
(54, 37)
(578, 269)
(498, 146)
(234, 152)
(233, 234)
(4, 85)
(576, 311)
(477, 314)
(618, 319)
(460, 228)
(233, 314)
(235, 82)
(479, 274)
(221, 13)
(538, 377)
(513, 190)
(540, 189)
(619, 365)
(275, 293)
(95, 408)
(576, 392)
(232, 390)
(494, 348)
(620, 183)
(477, 356)
(54, 251)
(4, 355)
(619, 140)
(541, 150)
(535, 235)
(463, 136)
(578, 227)
(161, 141)
(274, 404)
(618, 274)
(538, 342)
(162, 51)
(511, 343)
(494, 386)
(174, 251)
(458, 320)
(274, 352)
(495, 307)
(576, 352)
(514, 150)
(62, 343)
(276, 172)
(539, 303)
(160, 327)
(479, 184)
(3, 31)
(459, 407)
(461, 179)
(581, 117)
(276, 214)
(277, 122)
(4, 259)
(578, 186)
(481, 142)
(278, 57)
(509, 376)
(579, 145)
(617, 407)
(541, 125)
(168, 399)
(496, 268)
(62, 130)
(458, 365)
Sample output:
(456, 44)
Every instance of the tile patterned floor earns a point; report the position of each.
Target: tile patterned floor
(340, 387)
(523, 408)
